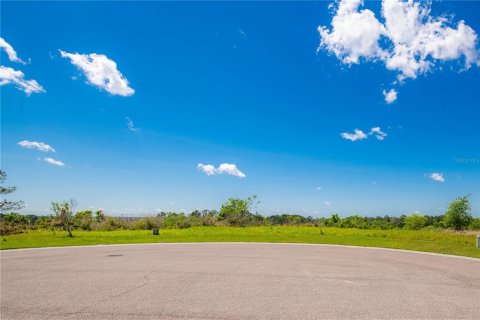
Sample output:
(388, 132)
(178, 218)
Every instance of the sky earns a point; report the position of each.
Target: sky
(315, 107)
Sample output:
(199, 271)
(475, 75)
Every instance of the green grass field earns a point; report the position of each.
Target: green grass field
(429, 241)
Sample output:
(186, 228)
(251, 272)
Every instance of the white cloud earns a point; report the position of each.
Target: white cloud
(208, 169)
(231, 169)
(410, 41)
(9, 75)
(327, 203)
(390, 96)
(357, 135)
(224, 168)
(319, 188)
(379, 134)
(54, 162)
(360, 135)
(11, 53)
(36, 145)
(101, 72)
(131, 125)
(437, 176)
(421, 40)
(354, 33)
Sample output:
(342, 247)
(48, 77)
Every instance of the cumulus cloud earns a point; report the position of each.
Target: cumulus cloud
(16, 77)
(224, 168)
(390, 96)
(36, 145)
(101, 72)
(231, 169)
(208, 169)
(409, 41)
(54, 162)
(11, 53)
(356, 135)
(437, 176)
(131, 125)
(354, 33)
(421, 40)
(379, 134)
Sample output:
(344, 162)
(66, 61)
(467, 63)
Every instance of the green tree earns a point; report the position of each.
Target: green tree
(64, 217)
(458, 215)
(415, 221)
(6, 205)
(237, 212)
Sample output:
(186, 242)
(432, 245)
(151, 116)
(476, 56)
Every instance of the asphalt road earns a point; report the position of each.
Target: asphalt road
(236, 281)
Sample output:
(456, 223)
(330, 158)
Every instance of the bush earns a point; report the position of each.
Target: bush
(84, 219)
(110, 224)
(474, 224)
(458, 214)
(176, 220)
(334, 220)
(147, 223)
(415, 221)
(354, 222)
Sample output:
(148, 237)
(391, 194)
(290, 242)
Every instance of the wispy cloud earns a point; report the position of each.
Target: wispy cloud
(390, 96)
(101, 72)
(224, 168)
(131, 125)
(208, 169)
(11, 53)
(437, 176)
(54, 162)
(242, 32)
(36, 145)
(16, 77)
(360, 135)
(379, 134)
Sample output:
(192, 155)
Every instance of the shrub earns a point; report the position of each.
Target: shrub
(147, 223)
(110, 224)
(415, 221)
(474, 224)
(334, 220)
(84, 219)
(353, 222)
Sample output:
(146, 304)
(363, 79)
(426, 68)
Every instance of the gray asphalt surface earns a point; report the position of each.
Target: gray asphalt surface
(236, 281)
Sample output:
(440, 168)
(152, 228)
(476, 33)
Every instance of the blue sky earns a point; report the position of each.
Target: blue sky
(249, 84)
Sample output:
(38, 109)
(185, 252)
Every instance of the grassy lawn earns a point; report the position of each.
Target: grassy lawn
(429, 241)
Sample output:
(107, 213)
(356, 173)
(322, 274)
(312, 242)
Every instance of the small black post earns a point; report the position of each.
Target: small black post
(155, 231)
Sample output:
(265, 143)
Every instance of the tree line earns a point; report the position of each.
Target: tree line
(235, 212)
